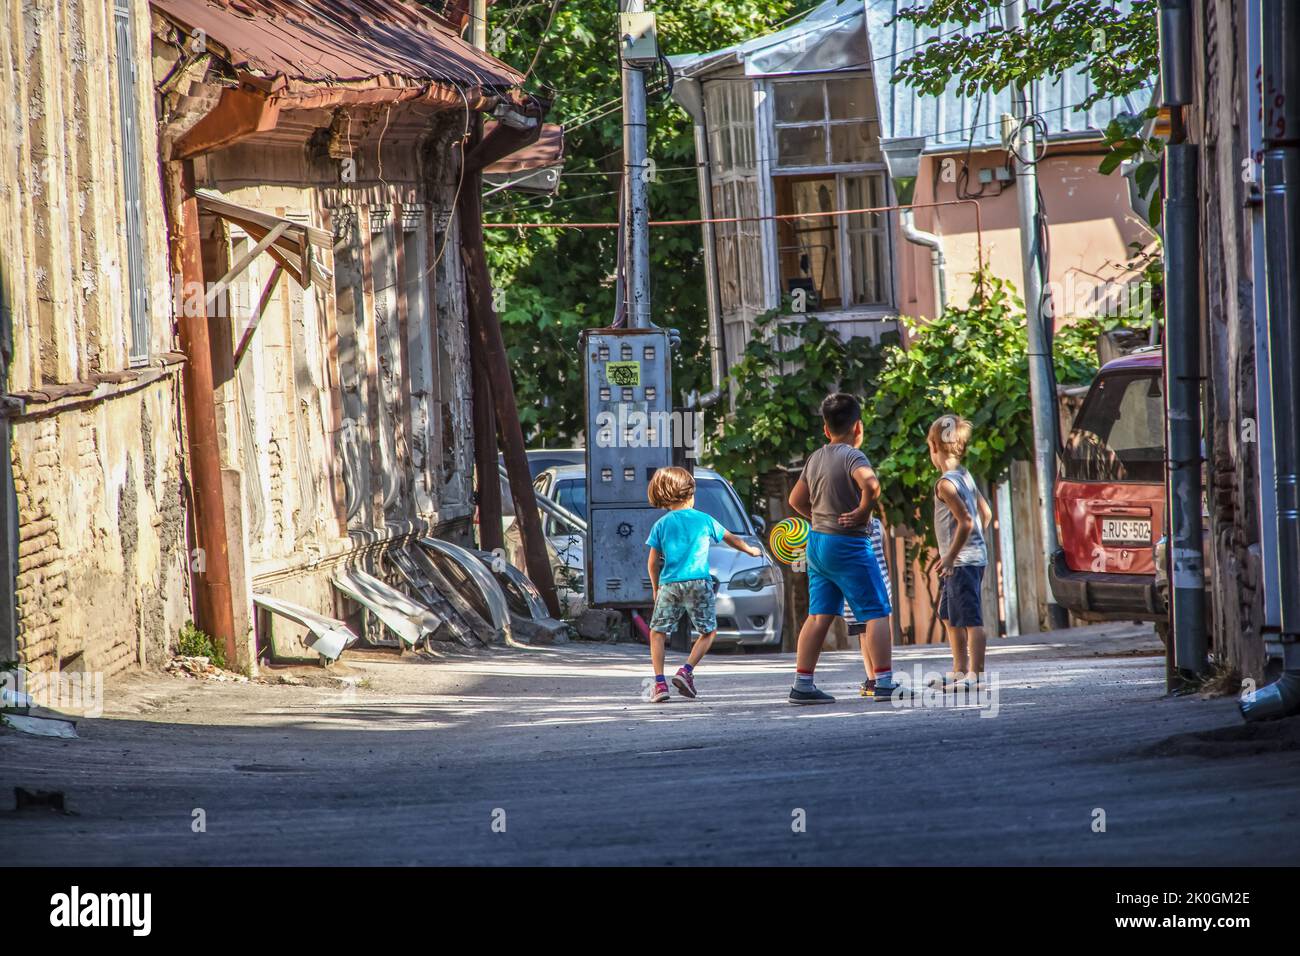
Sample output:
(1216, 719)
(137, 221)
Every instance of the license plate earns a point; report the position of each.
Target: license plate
(1125, 531)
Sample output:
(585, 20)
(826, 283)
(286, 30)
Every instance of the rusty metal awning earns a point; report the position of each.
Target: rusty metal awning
(534, 168)
(384, 48)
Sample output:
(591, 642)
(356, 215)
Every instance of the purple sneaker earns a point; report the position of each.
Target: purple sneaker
(684, 683)
(660, 694)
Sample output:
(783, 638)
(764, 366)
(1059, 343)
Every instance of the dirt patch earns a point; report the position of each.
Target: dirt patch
(1243, 740)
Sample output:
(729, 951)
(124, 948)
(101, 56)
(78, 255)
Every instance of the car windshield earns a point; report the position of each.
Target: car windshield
(1119, 434)
(712, 496)
(572, 494)
(715, 499)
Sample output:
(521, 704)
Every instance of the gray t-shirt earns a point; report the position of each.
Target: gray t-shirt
(829, 473)
(974, 551)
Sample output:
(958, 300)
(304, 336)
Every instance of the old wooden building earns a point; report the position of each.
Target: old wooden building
(236, 346)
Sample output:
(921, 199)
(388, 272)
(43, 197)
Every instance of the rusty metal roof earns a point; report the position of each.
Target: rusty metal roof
(376, 43)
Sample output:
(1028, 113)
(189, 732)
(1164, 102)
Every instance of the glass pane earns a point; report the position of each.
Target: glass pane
(1119, 435)
(801, 146)
(809, 246)
(864, 192)
(799, 102)
(853, 143)
(851, 98)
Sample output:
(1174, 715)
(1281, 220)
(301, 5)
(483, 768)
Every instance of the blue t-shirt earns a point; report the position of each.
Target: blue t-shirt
(683, 538)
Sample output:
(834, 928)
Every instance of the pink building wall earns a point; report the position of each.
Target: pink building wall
(1090, 227)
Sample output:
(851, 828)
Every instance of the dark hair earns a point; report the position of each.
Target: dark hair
(839, 412)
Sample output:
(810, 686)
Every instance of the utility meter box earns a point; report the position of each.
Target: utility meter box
(630, 434)
(640, 39)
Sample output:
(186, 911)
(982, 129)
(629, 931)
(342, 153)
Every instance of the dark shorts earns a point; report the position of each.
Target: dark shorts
(692, 598)
(960, 603)
(843, 568)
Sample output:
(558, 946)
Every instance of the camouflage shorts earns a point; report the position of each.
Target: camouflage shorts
(692, 598)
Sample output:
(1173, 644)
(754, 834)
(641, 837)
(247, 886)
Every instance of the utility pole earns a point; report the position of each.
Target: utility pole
(478, 24)
(1042, 395)
(637, 50)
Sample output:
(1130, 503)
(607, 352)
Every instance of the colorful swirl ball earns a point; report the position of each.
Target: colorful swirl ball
(788, 539)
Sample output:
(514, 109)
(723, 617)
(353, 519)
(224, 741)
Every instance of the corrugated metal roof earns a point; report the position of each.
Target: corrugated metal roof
(949, 121)
(340, 41)
(823, 42)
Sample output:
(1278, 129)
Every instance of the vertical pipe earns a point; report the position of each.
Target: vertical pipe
(1183, 408)
(478, 24)
(637, 185)
(1281, 128)
(214, 602)
(1042, 389)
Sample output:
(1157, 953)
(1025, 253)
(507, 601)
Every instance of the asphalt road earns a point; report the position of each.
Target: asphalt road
(538, 756)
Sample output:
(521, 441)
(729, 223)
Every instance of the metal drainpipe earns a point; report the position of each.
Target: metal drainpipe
(1183, 407)
(1281, 84)
(213, 599)
(907, 221)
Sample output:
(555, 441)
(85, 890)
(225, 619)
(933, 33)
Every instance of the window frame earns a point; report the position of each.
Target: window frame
(841, 172)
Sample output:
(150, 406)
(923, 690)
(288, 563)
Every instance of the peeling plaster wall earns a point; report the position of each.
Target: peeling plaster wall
(347, 425)
(102, 573)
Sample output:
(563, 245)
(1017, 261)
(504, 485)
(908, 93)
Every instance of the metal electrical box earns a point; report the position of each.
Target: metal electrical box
(640, 38)
(630, 434)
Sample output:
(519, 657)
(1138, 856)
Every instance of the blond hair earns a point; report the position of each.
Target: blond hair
(950, 434)
(670, 486)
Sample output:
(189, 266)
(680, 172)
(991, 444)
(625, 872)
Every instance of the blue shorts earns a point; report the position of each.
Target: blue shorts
(960, 601)
(843, 567)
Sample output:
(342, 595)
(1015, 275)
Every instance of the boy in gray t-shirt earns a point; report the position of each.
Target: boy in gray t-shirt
(837, 492)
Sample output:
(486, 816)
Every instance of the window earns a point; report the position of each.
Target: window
(128, 110)
(1120, 432)
(827, 160)
(815, 250)
(733, 170)
(715, 499)
(826, 122)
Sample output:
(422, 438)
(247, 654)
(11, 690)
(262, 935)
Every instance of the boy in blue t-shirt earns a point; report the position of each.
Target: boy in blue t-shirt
(681, 539)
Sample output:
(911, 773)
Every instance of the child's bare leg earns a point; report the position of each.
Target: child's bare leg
(976, 643)
(957, 641)
(702, 645)
(811, 637)
(864, 641)
(879, 643)
(657, 639)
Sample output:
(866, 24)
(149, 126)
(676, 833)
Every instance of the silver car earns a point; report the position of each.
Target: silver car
(750, 596)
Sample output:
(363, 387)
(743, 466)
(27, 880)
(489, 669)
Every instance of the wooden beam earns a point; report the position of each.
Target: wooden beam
(246, 339)
(244, 261)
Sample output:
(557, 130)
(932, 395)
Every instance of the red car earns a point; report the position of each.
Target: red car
(1110, 495)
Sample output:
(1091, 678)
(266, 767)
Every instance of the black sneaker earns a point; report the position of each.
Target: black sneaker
(867, 688)
(813, 696)
(893, 692)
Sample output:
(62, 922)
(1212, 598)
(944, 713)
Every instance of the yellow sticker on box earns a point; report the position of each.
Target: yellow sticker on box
(624, 374)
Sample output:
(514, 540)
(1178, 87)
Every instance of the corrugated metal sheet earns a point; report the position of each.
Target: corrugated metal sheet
(826, 41)
(340, 41)
(949, 121)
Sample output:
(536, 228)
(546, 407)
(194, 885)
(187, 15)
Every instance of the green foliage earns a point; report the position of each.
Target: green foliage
(193, 642)
(558, 282)
(787, 369)
(971, 361)
(1118, 50)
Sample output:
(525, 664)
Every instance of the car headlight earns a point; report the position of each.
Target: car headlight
(753, 580)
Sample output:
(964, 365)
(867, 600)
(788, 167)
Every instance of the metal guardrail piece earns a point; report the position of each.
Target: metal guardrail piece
(330, 636)
(408, 619)
(488, 591)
